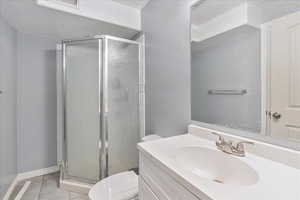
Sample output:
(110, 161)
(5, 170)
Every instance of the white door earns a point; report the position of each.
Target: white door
(285, 78)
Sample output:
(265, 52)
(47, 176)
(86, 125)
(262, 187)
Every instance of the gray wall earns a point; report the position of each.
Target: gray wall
(8, 117)
(228, 61)
(166, 26)
(36, 102)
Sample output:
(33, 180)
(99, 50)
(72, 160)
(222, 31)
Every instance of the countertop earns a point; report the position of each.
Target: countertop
(276, 180)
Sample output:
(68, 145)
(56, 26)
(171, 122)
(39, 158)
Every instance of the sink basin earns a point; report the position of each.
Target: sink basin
(216, 166)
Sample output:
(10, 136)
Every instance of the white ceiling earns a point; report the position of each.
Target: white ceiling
(139, 4)
(271, 9)
(209, 9)
(228, 37)
(27, 17)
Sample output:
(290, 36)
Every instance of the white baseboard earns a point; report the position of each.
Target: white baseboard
(27, 175)
(39, 172)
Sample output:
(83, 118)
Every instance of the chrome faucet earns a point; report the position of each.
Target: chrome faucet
(239, 149)
(229, 148)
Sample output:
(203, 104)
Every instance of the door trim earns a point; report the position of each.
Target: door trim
(265, 78)
(104, 171)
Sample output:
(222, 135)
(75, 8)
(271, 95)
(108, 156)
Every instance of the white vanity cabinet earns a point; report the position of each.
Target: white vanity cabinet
(165, 173)
(156, 184)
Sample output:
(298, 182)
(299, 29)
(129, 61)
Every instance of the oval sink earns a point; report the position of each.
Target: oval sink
(216, 166)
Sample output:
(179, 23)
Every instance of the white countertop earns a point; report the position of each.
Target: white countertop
(276, 181)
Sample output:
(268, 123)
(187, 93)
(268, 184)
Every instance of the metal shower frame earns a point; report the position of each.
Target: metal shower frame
(103, 100)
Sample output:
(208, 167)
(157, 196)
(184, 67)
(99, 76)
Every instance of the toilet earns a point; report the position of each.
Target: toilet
(122, 186)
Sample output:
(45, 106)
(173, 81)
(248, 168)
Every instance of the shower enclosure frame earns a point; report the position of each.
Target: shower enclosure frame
(103, 102)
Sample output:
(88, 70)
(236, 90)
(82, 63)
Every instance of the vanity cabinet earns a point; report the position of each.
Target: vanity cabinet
(145, 193)
(156, 184)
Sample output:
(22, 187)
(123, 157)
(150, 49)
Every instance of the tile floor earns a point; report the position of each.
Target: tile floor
(46, 188)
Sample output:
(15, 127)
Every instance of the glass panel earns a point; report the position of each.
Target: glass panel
(123, 106)
(82, 102)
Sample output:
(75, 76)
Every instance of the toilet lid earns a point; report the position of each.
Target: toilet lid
(122, 186)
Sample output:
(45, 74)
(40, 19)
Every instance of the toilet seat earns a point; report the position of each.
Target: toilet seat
(122, 186)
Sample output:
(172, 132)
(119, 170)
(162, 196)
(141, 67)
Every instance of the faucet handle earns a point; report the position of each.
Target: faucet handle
(240, 147)
(221, 139)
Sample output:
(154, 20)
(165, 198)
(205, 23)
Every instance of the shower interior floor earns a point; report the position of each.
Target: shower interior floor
(46, 188)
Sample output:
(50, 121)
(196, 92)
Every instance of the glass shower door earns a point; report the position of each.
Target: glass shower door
(103, 102)
(82, 117)
(122, 92)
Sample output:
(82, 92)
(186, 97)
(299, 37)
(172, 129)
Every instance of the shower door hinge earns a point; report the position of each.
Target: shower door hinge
(100, 144)
(142, 88)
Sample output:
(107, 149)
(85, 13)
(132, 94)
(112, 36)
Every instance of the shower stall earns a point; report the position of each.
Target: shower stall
(101, 109)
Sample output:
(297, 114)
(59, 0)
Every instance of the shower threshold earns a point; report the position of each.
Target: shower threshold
(73, 184)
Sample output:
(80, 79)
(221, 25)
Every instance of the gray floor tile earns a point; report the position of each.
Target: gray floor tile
(52, 176)
(34, 189)
(46, 188)
(76, 196)
(37, 179)
(50, 189)
(16, 190)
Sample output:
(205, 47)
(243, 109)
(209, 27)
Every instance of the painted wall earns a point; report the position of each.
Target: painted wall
(166, 25)
(8, 102)
(228, 61)
(36, 102)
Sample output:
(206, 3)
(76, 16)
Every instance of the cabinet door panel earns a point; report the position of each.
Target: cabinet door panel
(161, 183)
(145, 192)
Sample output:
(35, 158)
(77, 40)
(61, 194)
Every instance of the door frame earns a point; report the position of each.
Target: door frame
(63, 163)
(265, 78)
(103, 95)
